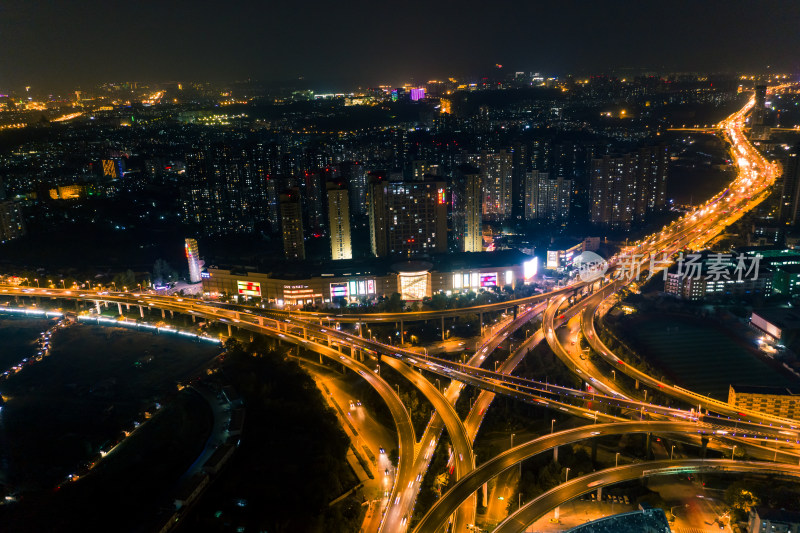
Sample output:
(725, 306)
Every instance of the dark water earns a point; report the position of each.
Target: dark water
(95, 383)
(702, 358)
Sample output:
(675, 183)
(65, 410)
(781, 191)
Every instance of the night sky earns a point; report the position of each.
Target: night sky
(61, 44)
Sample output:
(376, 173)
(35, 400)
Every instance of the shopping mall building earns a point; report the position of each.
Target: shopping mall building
(355, 280)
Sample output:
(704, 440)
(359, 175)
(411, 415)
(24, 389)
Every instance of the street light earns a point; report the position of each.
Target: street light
(567, 476)
(616, 459)
(673, 449)
(512, 440)
(552, 423)
(614, 374)
(733, 452)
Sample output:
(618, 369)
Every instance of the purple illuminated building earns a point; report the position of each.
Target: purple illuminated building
(417, 94)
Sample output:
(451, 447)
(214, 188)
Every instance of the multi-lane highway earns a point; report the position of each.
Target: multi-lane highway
(466, 486)
(538, 507)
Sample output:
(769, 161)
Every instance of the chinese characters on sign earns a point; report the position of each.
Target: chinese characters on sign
(714, 267)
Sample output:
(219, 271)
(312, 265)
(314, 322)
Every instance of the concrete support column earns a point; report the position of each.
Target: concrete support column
(97, 306)
(127, 307)
(555, 454)
(141, 311)
(119, 308)
(599, 493)
(442, 328)
(402, 333)
(171, 314)
(230, 331)
(194, 319)
(163, 314)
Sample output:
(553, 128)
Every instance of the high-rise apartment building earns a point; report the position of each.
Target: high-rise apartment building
(520, 166)
(626, 188)
(356, 176)
(653, 170)
(790, 195)
(292, 225)
(339, 221)
(613, 182)
(466, 210)
(496, 178)
(547, 198)
(407, 218)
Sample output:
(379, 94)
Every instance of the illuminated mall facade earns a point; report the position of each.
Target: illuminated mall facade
(355, 280)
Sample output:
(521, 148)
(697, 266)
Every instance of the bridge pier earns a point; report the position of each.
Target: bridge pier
(599, 493)
(555, 454)
(163, 314)
(230, 331)
(127, 307)
(171, 314)
(119, 308)
(442, 328)
(141, 311)
(402, 333)
(194, 319)
(97, 306)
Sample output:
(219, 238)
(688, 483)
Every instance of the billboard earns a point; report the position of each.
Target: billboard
(413, 285)
(489, 280)
(249, 288)
(530, 268)
(339, 290)
(553, 259)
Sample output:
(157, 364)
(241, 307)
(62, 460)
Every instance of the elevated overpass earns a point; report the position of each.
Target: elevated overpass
(538, 507)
